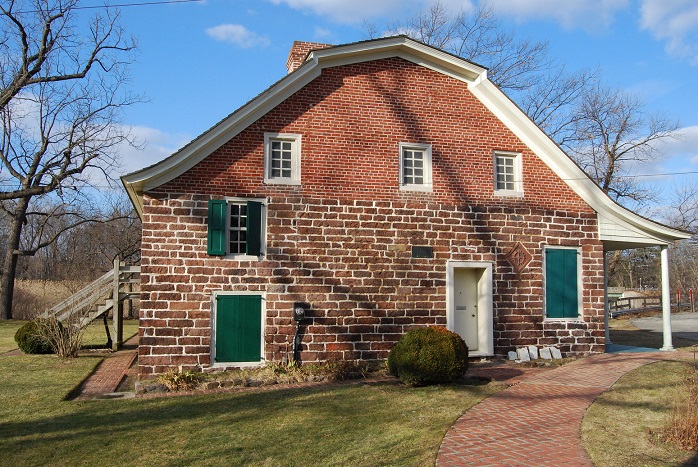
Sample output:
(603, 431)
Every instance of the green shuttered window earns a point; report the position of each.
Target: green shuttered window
(217, 213)
(561, 283)
(254, 228)
(235, 227)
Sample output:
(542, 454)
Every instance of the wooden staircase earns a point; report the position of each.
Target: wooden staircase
(99, 298)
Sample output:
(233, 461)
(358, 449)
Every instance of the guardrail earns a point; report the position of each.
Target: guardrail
(98, 298)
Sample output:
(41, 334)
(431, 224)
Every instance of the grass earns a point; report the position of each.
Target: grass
(7, 334)
(359, 424)
(94, 334)
(33, 297)
(622, 426)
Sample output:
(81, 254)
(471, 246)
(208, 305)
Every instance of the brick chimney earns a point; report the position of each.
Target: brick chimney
(299, 50)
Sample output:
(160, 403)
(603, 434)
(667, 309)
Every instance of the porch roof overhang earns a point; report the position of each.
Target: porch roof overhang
(627, 230)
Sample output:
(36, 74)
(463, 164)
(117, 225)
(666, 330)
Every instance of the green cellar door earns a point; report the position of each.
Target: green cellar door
(238, 328)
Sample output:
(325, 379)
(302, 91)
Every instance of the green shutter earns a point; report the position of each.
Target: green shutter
(561, 283)
(217, 210)
(254, 228)
(238, 328)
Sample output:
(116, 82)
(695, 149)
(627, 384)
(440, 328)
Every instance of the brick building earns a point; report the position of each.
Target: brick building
(381, 185)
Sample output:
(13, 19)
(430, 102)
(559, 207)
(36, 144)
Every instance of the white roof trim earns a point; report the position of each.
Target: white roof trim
(610, 213)
(519, 123)
(138, 182)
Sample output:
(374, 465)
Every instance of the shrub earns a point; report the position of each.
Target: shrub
(31, 338)
(682, 429)
(64, 339)
(179, 380)
(340, 370)
(428, 355)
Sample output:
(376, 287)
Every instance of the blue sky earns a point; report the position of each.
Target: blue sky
(200, 61)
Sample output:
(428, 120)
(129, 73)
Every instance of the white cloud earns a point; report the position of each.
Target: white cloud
(153, 146)
(356, 11)
(585, 14)
(239, 35)
(675, 21)
(321, 33)
(685, 148)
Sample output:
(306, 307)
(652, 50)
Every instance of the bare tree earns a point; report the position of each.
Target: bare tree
(478, 36)
(553, 100)
(76, 239)
(612, 132)
(682, 208)
(61, 98)
(681, 211)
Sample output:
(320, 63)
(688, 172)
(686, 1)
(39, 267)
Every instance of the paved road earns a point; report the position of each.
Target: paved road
(682, 324)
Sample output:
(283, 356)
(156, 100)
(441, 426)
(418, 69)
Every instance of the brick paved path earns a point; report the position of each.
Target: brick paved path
(110, 371)
(538, 421)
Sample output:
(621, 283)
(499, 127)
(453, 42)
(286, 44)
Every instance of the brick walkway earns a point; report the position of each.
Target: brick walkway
(538, 421)
(110, 372)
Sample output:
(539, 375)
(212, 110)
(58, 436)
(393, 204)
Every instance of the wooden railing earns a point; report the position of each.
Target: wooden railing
(633, 303)
(98, 298)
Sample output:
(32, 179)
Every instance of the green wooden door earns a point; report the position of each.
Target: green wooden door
(561, 283)
(238, 328)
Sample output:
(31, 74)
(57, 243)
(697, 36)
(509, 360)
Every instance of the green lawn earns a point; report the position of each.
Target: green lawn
(7, 334)
(618, 427)
(361, 424)
(94, 334)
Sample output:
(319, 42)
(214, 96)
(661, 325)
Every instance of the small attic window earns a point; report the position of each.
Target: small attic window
(508, 178)
(282, 158)
(415, 167)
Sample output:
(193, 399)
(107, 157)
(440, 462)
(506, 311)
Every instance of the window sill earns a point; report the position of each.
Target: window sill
(419, 188)
(509, 193)
(244, 257)
(274, 181)
(577, 319)
(234, 365)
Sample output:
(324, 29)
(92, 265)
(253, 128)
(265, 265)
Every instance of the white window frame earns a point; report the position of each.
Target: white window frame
(263, 247)
(518, 174)
(427, 185)
(295, 140)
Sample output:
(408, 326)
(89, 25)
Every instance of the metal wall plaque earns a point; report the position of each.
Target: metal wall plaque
(422, 252)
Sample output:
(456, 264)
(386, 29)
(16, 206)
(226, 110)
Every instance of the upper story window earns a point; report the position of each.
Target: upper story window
(282, 158)
(415, 167)
(507, 174)
(236, 227)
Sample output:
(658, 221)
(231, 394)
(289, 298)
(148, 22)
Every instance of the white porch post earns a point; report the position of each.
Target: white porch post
(666, 300)
(606, 310)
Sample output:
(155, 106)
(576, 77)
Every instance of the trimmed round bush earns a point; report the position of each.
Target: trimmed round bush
(30, 339)
(428, 355)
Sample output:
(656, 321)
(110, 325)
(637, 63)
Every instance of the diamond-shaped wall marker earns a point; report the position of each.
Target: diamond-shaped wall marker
(519, 257)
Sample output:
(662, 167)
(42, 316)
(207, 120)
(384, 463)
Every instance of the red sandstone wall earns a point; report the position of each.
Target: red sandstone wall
(342, 240)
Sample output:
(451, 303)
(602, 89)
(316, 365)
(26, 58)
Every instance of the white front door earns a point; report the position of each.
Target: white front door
(465, 316)
(469, 305)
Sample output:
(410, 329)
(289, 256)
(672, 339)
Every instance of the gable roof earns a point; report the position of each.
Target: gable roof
(618, 227)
